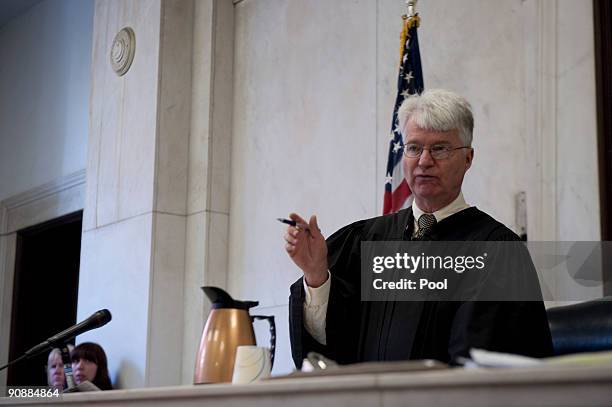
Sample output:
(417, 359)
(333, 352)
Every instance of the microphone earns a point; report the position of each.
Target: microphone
(98, 319)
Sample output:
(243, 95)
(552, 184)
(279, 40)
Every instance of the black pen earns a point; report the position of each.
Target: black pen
(293, 223)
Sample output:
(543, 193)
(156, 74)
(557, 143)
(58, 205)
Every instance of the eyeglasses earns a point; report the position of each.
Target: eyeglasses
(437, 151)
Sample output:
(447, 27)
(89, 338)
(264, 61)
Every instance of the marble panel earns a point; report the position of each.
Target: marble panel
(139, 112)
(491, 78)
(193, 312)
(219, 167)
(165, 339)
(546, 122)
(278, 271)
(198, 173)
(200, 107)
(106, 131)
(205, 264)
(115, 273)
(575, 37)
(304, 124)
(222, 108)
(578, 185)
(217, 249)
(174, 106)
(526, 179)
(219, 161)
(96, 102)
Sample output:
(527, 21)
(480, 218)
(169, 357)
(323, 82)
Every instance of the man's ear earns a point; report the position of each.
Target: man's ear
(468, 158)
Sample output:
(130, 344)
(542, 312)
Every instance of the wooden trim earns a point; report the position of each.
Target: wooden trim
(602, 14)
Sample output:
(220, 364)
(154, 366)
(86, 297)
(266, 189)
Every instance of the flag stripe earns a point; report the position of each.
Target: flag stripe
(409, 82)
(400, 195)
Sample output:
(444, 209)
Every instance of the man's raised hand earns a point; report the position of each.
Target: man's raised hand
(307, 248)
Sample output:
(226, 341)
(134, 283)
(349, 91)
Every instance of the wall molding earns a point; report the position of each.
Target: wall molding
(50, 188)
(546, 220)
(45, 202)
(51, 200)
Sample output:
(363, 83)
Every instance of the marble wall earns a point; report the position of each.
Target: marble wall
(158, 172)
(135, 219)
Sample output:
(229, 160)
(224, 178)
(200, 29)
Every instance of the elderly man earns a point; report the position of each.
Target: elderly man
(326, 311)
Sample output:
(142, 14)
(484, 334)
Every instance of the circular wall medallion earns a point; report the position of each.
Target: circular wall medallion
(122, 51)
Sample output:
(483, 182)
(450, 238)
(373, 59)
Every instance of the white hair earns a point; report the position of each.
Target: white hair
(438, 110)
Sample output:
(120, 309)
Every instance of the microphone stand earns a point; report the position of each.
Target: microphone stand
(98, 319)
(67, 361)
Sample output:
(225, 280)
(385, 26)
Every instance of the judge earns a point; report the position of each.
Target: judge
(326, 313)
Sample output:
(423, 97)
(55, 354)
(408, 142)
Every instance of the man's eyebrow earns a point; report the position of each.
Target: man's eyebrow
(434, 143)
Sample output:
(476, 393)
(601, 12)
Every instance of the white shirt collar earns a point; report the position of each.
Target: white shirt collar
(452, 208)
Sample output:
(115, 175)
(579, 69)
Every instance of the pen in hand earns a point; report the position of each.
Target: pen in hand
(293, 223)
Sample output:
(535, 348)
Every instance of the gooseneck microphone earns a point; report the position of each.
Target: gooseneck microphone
(98, 319)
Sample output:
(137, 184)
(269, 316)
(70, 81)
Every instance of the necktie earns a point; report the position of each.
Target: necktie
(426, 223)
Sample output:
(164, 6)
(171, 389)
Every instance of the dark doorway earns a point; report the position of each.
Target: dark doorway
(44, 293)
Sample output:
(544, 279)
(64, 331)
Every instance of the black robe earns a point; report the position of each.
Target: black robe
(359, 331)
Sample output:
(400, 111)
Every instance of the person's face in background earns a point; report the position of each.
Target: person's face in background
(84, 370)
(55, 371)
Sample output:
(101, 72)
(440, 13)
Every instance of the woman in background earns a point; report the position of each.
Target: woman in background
(55, 370)
(89, 364)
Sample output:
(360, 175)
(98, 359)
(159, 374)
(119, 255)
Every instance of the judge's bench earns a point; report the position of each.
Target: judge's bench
(539, 386)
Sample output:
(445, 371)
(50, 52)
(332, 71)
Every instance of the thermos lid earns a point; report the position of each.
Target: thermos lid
(221, 299)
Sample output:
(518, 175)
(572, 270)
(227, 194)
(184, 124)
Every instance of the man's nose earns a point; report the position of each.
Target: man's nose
(425, 159)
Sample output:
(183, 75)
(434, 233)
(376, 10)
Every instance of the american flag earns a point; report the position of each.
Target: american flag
(409, 82)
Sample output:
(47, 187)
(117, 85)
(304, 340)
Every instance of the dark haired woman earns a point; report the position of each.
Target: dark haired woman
(89, 364)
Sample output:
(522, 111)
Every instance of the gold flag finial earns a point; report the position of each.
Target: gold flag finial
(411, 7)
(412, 18)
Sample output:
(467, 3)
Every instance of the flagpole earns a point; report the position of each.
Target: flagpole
(409, 82)
(411, 7)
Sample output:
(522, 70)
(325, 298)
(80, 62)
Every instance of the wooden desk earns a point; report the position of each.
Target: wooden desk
(568, 386)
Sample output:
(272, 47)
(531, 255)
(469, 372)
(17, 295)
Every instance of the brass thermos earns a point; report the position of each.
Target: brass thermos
(229, 325)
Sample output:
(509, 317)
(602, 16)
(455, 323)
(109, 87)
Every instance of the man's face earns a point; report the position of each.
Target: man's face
(435, 183)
